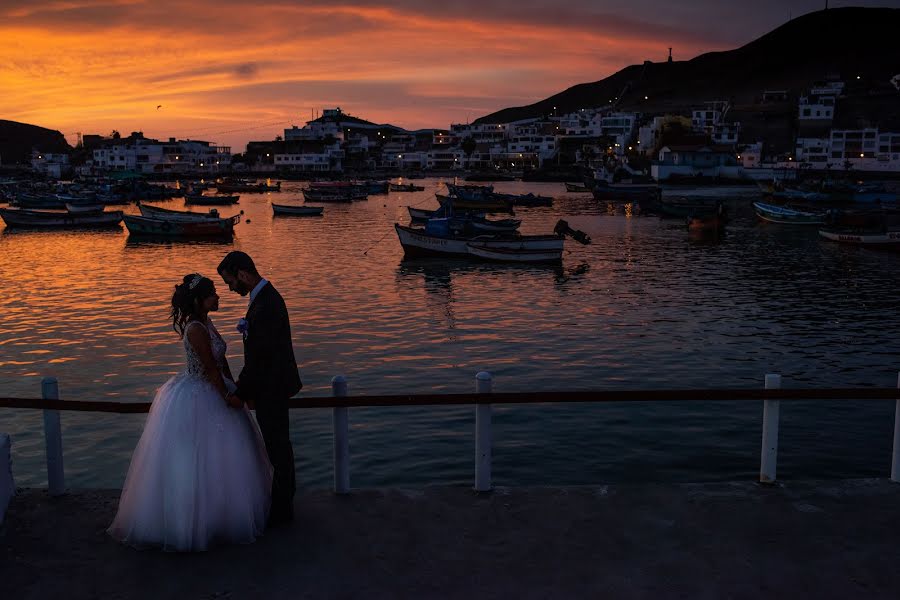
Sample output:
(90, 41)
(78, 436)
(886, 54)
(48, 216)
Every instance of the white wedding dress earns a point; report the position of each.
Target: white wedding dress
(199, 475)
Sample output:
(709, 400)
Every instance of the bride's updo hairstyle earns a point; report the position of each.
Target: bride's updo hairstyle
(192, 290)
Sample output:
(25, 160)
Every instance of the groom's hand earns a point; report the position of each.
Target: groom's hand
(234, 401)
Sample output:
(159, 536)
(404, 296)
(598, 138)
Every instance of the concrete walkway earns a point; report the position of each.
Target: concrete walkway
(819, 540)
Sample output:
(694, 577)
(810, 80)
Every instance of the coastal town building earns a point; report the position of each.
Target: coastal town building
(149, 156)
(50, 164)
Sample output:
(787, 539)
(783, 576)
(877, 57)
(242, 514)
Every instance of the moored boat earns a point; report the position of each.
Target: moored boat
(157, 212)
(406, 187)
(872, 238)
(774, 213)
(577, 188)
(300, 211)
(181, 228)
(20, 217)
(478, 250)
(202, 200)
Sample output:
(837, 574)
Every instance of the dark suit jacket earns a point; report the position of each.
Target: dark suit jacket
(270, 370)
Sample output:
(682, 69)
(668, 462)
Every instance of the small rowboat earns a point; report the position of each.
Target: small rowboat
(576, 188)
(781, 214)
(512, 255)
(18, 217)
(181, 228)
(881, 239)
(406, 187)
(83, 209)
(210, 200)
(300, 211)
(157, 212)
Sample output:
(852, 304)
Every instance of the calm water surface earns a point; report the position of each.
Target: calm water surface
(645, 306)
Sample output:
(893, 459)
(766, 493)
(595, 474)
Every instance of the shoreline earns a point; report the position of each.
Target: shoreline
(737, 539)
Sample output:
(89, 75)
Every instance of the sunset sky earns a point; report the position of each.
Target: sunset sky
(228, 73)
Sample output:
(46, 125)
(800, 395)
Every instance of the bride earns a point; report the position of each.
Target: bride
(199, 474)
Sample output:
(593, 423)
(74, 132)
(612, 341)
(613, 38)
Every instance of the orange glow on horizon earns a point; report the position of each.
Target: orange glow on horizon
(247, 73)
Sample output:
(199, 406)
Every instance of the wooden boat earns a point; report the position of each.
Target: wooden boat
(181, 228)
(880, 239)
(300, 211)
(333, 195)
(84, 208)
(576, 188)
(19, 217)
(478, 250)
(790, 216)
(157, 212)
(406, 187)
(200, 199)
(421, 242)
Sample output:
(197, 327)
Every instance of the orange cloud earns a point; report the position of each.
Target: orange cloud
(226, 69)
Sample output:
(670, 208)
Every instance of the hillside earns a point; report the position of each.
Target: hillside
(843, 42)
(18, 139)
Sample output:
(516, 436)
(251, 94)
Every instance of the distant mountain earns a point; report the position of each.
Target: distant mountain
(18, 139)
(857, 45)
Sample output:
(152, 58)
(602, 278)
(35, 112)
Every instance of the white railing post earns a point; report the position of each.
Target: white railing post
(53, 439)
(895, 459)
(771, 409)
(483, 385)
(341, 438)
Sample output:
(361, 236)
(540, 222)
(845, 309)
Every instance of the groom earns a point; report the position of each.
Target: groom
(269, 377)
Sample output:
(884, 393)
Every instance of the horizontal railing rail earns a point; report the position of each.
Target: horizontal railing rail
(683, 395)
(483, 398)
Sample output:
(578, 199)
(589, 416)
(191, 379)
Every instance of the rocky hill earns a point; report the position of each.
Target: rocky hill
(18, 139)
(857, 45)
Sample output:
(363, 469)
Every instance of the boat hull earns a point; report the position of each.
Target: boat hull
(59, 220)
(297, 211)
(416, 242)
(889, 238)
(171, 228)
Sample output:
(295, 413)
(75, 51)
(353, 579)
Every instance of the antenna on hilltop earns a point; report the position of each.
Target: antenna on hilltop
(670, 55)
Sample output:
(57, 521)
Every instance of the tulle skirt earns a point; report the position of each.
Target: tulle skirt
(199, 475)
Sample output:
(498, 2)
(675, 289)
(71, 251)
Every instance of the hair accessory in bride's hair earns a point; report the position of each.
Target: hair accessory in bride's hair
(196, 280)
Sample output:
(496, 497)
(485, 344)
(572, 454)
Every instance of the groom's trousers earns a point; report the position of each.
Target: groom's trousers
(274, 423)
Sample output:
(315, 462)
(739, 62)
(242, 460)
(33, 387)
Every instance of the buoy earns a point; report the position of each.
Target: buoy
(247, 221)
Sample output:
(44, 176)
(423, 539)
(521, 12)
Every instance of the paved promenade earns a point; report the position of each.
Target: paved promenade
(836, 539)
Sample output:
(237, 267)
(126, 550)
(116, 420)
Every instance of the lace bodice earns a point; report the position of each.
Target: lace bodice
(194, 366)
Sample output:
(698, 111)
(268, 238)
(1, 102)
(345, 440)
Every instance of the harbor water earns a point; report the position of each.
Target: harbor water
(647, 305)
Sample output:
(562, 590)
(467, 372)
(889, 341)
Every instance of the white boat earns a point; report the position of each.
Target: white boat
(887, 238)
(479, 250)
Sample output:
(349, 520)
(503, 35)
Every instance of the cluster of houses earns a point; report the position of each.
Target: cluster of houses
(337, 142)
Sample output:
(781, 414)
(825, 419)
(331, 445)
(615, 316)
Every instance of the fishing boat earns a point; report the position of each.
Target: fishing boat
(878, 239)
(789, 216)
(336, 194)
(181, 228)
(157, 212)
(438, 239)
(406, 187)
(200, 199)
(479, 250)
(300, 211)
(20, 217)
(577, 188)
(84, 208)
